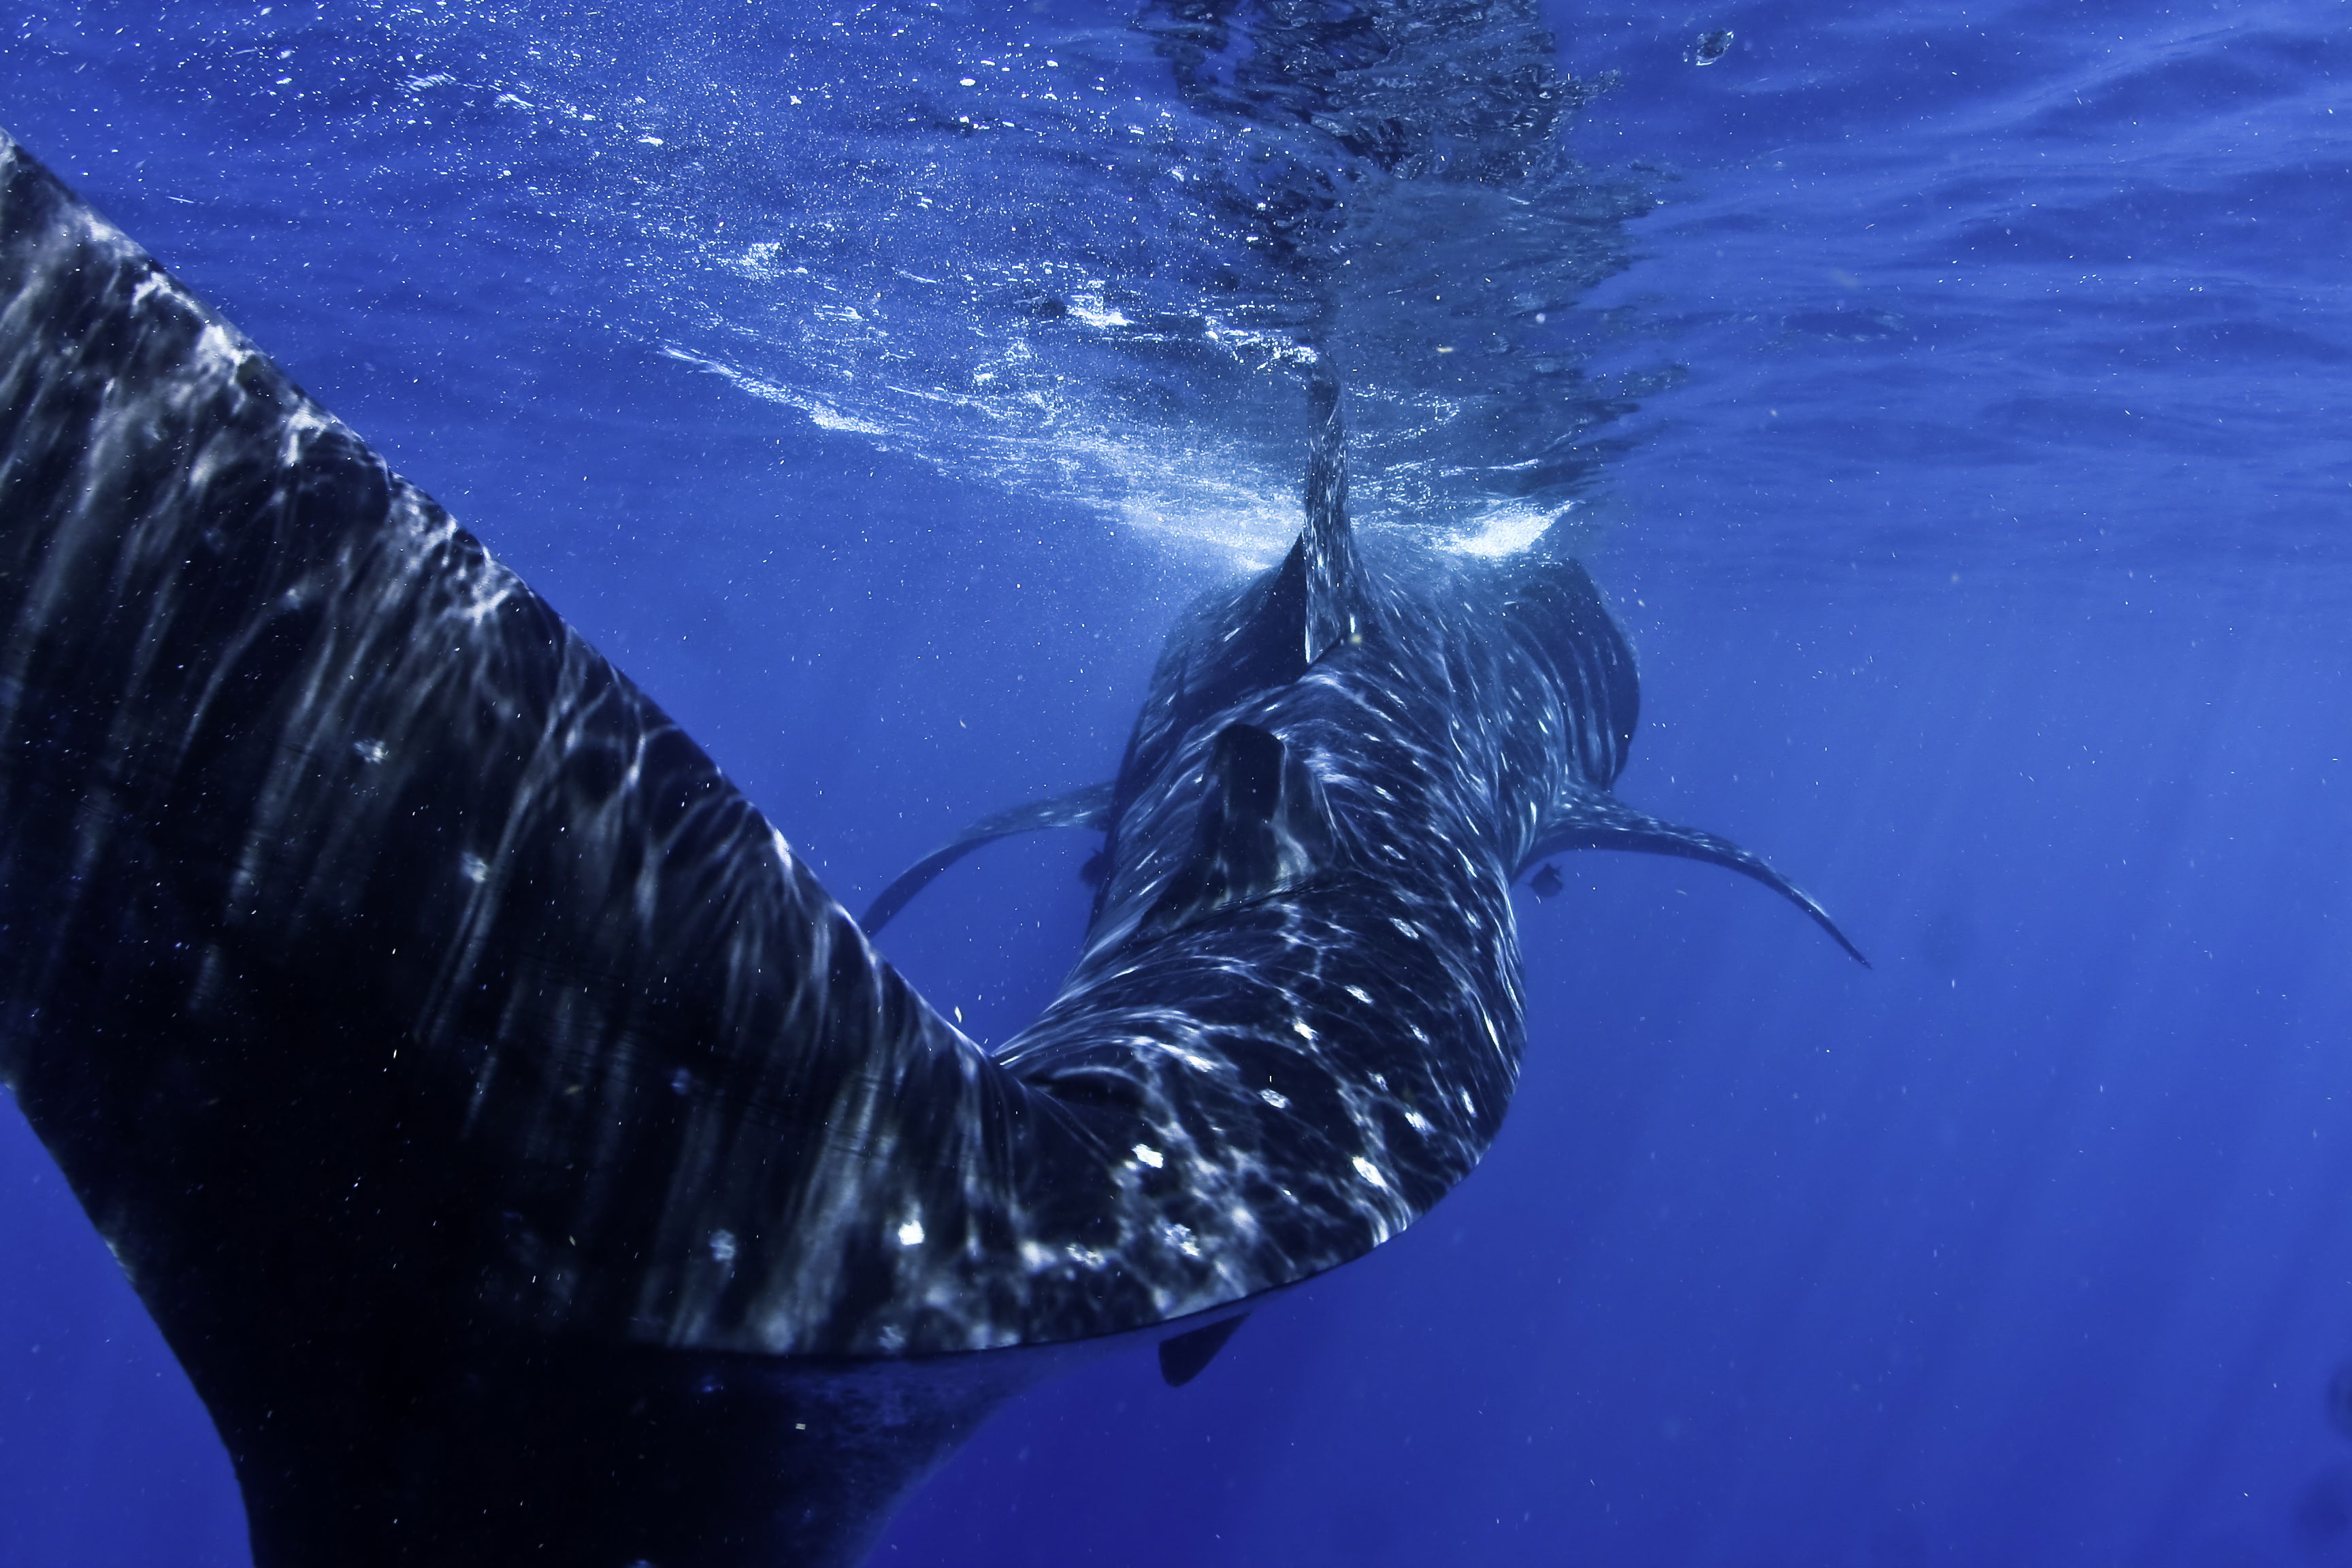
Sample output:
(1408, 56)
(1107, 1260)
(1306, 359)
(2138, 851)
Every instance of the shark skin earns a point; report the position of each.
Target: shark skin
(520, 1150)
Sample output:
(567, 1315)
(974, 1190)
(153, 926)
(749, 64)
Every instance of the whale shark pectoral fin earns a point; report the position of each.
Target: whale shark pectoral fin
(1183, 1357)
(1088, 807)
(1263, 828)
(1595, 821)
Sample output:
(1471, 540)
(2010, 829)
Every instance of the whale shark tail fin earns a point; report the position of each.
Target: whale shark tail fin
(1088, 808)
(1341, 609)
(1590, 820)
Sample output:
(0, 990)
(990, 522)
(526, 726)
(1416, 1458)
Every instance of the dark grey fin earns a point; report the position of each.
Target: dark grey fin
(1088, 807)
(1263, 828)
(1592, 821)
(1264, 645)
(1183, 1357)
(409, 995)
(1340, 610)
(1267, 637)
(1255, 646)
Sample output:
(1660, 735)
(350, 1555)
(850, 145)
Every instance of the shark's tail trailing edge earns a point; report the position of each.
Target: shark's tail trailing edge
(1595, 821)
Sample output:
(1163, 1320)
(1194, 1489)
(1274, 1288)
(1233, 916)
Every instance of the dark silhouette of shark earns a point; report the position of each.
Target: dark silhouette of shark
(525, 1156)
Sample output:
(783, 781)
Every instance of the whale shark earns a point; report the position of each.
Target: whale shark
(520, 1150)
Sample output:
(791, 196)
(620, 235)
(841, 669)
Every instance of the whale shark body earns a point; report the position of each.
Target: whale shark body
(520, 1150)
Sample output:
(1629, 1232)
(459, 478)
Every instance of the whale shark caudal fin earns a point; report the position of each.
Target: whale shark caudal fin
(1590, 820)
(1263, 828)
(516, 1144)
(1088, 808)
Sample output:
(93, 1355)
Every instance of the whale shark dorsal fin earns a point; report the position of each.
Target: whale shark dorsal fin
(1263, 828)
(1341, 609)
(1088, 807)
(1588, 819)
(1319, 598)
(1183, 1357)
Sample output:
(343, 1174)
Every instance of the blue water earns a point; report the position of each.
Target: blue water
(1965, 393)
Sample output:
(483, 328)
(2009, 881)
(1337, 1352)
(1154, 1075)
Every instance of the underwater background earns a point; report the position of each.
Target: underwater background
(1952, 401)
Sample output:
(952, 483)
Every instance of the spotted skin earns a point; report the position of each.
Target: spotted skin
(453, 1057)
